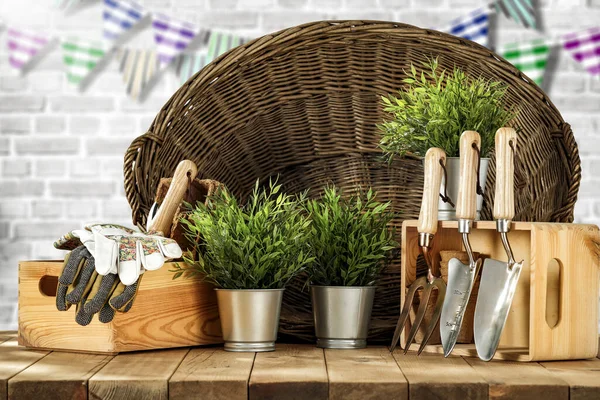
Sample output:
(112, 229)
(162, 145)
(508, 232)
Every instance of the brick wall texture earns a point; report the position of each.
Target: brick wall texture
(61, 150)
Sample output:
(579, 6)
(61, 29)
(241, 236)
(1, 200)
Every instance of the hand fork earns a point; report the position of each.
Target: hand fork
(435, 161)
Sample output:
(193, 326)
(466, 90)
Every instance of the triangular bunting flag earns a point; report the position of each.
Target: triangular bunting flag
(522, 11)
(138, 67)
(172, 37)
(529, 57)
(189, 65)
(119, 17)
(585, 48)
(23, 45)
(80, 58)
(473, 26)
(219, 43)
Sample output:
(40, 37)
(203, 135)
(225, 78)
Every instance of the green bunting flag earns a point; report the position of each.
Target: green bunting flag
(219, 43)
(521, 11)
(80, 58)
(190, 64)
(529, 57)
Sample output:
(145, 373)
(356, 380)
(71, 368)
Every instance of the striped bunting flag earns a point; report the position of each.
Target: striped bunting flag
(584, 47)
(119, 17)
(219, 43)
(521, 11)
(80, 58)
(138, 67)
(189, 65)
(529, 57)
(473, 26)
(172, 37)
(23, 45)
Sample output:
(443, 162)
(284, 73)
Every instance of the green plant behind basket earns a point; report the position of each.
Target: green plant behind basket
(435, 108)
(261, 245)
(349, 238)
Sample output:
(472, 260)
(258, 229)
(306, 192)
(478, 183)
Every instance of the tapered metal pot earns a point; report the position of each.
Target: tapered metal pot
(342, 315)
(249, 318)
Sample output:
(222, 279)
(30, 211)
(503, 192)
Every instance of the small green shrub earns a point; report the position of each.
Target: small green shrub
(349, 238)
(435, 108)
(261, 245)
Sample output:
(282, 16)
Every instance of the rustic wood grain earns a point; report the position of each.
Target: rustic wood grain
(598, 347)
(14, 359)
(6, 335)
(136, 375)
(57, 376)
(291, 372)
(431, 376)
(582, 376)
(519, 381)
(212, 374)
(371, 373)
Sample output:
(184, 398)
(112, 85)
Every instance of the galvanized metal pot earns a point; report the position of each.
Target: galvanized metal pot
(446, 211)
(342, 315)
(249, 318)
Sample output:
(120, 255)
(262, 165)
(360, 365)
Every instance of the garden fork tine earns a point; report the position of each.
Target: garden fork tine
(435, 160)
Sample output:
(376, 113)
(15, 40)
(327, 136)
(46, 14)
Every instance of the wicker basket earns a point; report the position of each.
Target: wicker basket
(304, 103)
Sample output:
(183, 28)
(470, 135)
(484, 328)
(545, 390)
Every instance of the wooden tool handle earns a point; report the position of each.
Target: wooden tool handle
(428, 217)
(185, 170)
(504, 199)
(466, 204)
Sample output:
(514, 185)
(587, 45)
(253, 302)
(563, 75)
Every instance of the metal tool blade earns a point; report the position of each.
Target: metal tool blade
(496, 291)
(460, 284)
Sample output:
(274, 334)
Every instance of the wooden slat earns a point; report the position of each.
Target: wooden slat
(371, 373)
(136, 375)
(14, 359)
(583, 377)
(291, 372)
(213, 374)
(517, 380)
(57, 376)
(6, 335)
(598, 346)
(433, 376)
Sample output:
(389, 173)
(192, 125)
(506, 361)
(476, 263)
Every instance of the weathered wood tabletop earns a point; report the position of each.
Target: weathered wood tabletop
(292, 372)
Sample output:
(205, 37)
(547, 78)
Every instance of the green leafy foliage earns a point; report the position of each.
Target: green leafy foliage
(435, 108)
(261, 245)
(349, 238)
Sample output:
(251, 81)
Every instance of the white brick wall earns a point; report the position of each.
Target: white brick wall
(61, 150)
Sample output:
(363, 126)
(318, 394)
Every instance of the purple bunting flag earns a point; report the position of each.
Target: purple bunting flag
(584, 47)
(172, 37)
(23, 45)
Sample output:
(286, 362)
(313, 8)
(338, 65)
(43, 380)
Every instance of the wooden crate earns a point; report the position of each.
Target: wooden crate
(554, 314)
(167, 313)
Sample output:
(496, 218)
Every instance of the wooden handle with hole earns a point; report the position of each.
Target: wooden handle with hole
(466, 203)
(504, 199)
(185, 170)
(428, 217)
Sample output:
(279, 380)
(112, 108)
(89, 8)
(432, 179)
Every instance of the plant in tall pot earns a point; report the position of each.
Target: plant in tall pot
(433, 109)
(351, 243)
(249, 252)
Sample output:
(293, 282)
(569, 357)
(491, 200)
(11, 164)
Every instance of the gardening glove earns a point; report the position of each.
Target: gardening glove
(92, 293)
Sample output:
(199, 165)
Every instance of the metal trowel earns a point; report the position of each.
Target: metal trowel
(498, 278)
(462, 276)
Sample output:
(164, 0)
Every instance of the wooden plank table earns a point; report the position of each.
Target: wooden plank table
(291, 372)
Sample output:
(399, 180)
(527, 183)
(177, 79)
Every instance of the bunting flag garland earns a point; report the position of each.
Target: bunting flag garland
(80, 58)
(189, 65)
(219, 43)
(119, 17)
(584, 47)
(23, 45)
(529, 57)
(172, 37)
(473, 26)
(138, 67)
(521, 11)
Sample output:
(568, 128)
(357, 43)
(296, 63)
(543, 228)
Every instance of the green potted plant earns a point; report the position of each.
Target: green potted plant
(434, 109)
(351, 243)
(249, 253)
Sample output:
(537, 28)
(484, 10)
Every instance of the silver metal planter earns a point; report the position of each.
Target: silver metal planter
(446, 211)
(342, 315)
(249, 318)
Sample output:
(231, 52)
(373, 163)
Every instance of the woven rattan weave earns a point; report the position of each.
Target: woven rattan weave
(304, 103)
